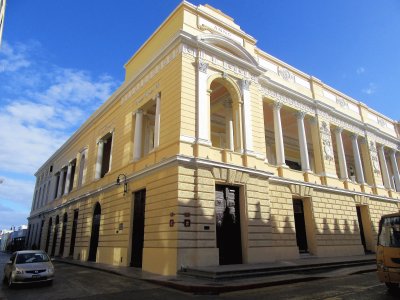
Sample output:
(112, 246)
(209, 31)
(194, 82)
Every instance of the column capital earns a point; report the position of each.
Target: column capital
(354, 136)
(277, 105)
(245, 84)
(339, 130)
(202, 66)
(300, 115)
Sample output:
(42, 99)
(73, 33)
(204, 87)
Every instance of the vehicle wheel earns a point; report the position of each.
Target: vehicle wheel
(10, 283)
(392, 286)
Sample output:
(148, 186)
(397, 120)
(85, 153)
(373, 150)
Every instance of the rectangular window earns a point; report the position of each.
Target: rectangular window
(72, 176)
(105, 154)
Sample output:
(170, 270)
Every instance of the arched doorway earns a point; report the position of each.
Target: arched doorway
(48, 234)
(63, 232)
(94, 238)
(53, 248)
(225, 115)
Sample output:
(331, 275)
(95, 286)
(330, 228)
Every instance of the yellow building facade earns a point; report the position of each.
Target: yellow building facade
(214, 152)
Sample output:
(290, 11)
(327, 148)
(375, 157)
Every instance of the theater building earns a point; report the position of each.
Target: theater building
(214, 152)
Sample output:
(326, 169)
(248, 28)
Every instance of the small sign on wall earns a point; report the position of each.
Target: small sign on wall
(171, 223)
(186, 222)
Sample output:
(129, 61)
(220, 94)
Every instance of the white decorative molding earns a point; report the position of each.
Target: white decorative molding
(286, 100)
(205, 24)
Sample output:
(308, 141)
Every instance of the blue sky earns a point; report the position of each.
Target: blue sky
(61, 59)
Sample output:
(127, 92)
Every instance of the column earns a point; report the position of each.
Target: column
(137, 143)
(247, 122)
(157, 122)
(305, 162)
(68, 180)
(357, 159)
(100, 150)
(279, 148)
(395, 169)
(60, 183)
(341, 155)
(203, 105)
(384, 168)
(230, 143)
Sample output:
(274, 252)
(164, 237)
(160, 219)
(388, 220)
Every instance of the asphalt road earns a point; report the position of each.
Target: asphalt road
(76, 282)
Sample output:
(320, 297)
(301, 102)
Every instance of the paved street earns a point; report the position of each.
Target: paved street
(75, 282)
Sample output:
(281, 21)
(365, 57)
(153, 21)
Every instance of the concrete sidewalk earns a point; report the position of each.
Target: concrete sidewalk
(221, 279)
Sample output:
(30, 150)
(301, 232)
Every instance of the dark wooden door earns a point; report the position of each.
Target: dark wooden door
(138, 228)
(227, 211)
(300, 225)
(94, 238)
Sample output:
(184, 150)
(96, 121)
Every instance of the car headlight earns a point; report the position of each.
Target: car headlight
(51, 270)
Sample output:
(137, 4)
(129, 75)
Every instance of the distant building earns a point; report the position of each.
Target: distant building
(2, 13)
(14, 239)
(214, 152)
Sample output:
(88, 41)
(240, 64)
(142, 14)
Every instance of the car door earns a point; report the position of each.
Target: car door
(8, 266)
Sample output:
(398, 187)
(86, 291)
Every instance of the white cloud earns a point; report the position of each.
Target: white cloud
(41, 105)
(37, 118)
(360, 70)
(17, 191)
(371, 89)
(13, 58)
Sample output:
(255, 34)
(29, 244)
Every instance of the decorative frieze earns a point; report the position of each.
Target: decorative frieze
(220, 63)
(286, 100)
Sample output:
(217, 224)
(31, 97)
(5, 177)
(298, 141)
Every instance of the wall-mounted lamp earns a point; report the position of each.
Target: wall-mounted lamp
(125, 184)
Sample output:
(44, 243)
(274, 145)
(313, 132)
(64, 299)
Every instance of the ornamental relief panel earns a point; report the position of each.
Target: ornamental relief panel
(374, 157)
(326, 141)
(286, 100)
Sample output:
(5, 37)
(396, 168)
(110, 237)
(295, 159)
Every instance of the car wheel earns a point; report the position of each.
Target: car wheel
(10, 283)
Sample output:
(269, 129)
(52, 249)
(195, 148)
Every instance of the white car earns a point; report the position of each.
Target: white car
(28, 266)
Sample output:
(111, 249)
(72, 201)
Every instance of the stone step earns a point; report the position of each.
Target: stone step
(247, 271)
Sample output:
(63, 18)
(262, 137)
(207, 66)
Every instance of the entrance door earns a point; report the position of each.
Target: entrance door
(227, 212)
(362, 235)
(138, 228)
(94, 238)
(300, 225)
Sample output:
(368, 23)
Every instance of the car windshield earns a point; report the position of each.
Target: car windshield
(389, 232)
(26, 258)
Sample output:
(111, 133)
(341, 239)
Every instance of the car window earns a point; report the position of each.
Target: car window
(26, 258)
